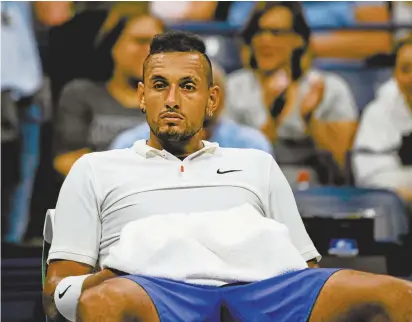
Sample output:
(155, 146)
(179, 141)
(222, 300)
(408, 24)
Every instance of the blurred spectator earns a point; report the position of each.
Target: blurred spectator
(184, 10)
(318, 110)
(402, 14)
(383, 144)
(91, 114)
(334, 14)
(216, 128)
(22, 108)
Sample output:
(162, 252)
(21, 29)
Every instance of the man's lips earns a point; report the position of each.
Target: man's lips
(171, 115)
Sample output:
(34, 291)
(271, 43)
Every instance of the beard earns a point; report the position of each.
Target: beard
(172, 135)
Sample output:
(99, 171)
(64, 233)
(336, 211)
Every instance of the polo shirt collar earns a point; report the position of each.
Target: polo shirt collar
(141, 148)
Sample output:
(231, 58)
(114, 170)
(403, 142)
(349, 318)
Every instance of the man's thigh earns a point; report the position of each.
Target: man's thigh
(284, 298)
(116, 300)
(180, 302)
(351, 295)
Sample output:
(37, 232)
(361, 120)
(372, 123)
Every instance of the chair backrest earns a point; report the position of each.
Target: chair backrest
(390, 223)
(47, 240)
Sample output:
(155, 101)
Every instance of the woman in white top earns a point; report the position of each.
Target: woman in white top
(383, 144)
(320, 112)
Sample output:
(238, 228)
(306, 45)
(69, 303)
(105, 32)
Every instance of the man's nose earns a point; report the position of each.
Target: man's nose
(172, 99)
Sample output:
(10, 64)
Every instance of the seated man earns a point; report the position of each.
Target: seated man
(382, 155)
(110, 199)
(225, 132)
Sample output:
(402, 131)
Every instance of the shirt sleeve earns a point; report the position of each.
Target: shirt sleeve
(73, 119)
(375, 159)
(77, 224)
(339, 103)
(283, 209)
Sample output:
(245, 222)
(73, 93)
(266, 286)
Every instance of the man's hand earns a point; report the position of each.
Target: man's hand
(96, 279)
(313, 263)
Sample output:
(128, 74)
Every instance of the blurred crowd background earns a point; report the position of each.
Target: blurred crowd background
(326, 87)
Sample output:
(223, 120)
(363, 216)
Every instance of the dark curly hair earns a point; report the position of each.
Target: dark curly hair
(180, 41)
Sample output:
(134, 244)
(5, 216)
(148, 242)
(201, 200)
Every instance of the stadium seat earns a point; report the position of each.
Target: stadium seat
(390, 223)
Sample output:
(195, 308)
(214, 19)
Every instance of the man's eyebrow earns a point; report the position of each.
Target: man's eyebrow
(157, 78)
(189, 78)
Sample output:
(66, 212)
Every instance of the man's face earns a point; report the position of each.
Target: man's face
(403, 72)
(176, 95)
(274, 49)
(133, 45)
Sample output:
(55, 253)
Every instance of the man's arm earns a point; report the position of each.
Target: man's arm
(76, 235)
(60, 269)
(283, 209)
(72, 127)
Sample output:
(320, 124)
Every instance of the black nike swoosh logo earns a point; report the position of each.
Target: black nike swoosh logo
(64, 292)
(223, 172)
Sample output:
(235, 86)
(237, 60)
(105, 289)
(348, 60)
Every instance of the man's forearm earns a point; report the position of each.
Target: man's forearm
(50, 308)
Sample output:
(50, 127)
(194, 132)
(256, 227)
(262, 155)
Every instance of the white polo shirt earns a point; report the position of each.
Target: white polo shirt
(104, 191)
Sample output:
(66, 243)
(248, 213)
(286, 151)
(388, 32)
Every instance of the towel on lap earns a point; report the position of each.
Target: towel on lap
(209, 248)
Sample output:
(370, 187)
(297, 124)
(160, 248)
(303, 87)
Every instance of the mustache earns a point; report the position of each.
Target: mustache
(171, 110)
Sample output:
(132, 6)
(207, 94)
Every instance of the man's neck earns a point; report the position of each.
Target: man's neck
(178, 149)
(122, 90)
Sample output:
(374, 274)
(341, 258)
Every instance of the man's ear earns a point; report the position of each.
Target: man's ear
(140, 95)
(214, 98)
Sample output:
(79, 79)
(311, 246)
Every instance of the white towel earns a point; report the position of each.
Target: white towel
(209, 248)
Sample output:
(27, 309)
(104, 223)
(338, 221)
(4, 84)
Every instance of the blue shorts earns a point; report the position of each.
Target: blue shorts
(286, 298)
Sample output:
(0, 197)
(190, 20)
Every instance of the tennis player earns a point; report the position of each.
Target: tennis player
(179, 229)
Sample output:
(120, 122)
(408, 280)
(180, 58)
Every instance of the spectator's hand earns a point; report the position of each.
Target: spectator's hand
(273, 86)
(314, 96)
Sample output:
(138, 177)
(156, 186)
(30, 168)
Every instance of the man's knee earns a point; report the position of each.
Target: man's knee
(117, 299)
(104, 300)
(353, 292)
(373, 312)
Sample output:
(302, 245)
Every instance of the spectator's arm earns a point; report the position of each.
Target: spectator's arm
(53, 13)
(334, 127)
(356, 44)
(335, 137)
(72, 128)
(383, 170)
